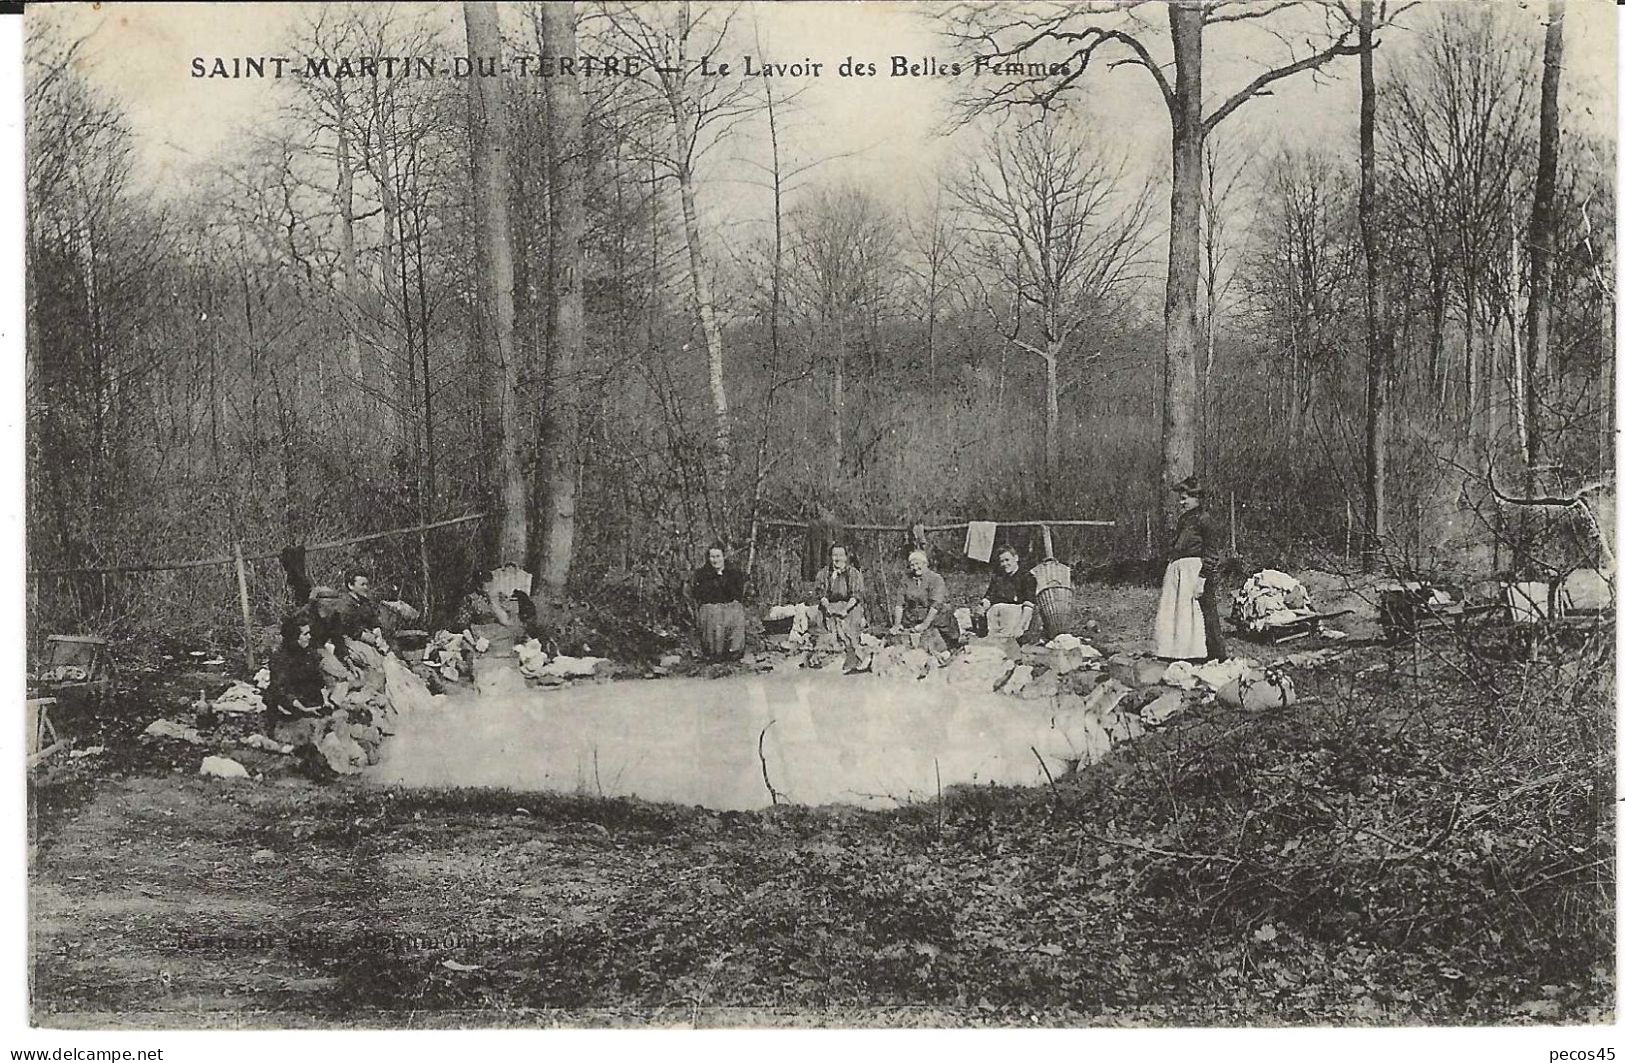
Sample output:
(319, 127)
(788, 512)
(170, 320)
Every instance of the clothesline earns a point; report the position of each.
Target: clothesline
(231, 559)
(955, 527)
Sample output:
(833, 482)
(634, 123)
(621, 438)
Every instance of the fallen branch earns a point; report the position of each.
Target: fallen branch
(1164, 852)
(761, 753)
(1056, 794)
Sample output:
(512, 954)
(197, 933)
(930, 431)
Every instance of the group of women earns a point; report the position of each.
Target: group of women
(330, 678)
(1187, 622)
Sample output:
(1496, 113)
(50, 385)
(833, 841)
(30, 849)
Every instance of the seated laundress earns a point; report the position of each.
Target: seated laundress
(839, 591)
(719, 592)
(1011, 598)
(920, 609)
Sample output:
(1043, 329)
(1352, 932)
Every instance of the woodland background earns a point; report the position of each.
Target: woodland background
(319, 341)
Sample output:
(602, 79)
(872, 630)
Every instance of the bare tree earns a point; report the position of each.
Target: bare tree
(844, 250)
(489, 121)
(1456, 114)
(1062, 240)
(1076, 34)
(672, 42)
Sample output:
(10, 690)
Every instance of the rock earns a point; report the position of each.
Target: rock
(342, 753)
(171, 729)
(671, 660)
(1018, 678)
(1104, 698)
(1148, 671)
(269, 745)
(1084, 736)
(1083, 680)
(977, 673)
(223, 768)
(1163, 708)
(1041, 687)
(263, 856)
(1120, 666)
(1256, 691)
(1122, 727)
(901, 662)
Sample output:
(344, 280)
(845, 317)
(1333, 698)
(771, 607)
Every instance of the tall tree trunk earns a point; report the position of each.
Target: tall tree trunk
(1542, 223)
(491, 193)
(705, 308)
(566, 332)
(838, 398)
(1184, 253)
(1376, 337)
(347, 262)
(1052, 422)
(394, 314)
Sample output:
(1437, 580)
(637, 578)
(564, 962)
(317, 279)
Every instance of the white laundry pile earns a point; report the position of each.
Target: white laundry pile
(1213, 675)
(171, 729)
(451, 654)
(532, 658)
(1269, 599)
(239, 698)
(574, 667)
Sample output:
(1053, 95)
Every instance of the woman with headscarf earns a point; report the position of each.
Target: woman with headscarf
(718, 590)
(839, 590)
(1187, 614)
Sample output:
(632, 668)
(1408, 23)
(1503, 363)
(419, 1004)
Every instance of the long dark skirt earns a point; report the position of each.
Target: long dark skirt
(1208, 602)
(722, 629)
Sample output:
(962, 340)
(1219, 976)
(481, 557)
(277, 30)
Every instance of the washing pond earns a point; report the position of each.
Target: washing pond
(820, 737)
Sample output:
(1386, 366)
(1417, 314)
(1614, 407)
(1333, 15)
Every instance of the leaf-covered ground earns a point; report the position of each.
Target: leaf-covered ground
(1402, 846)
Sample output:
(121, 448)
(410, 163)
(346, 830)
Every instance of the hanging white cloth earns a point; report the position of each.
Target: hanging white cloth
(1180, 633)
(979, 539)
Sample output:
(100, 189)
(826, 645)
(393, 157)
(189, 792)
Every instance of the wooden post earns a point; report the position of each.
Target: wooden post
(1049, 543)
(1348, 531)
(242, 599)
(423, 563)
(1233, 551)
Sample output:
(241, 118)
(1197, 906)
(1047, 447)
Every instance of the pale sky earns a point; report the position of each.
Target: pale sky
(882, 132)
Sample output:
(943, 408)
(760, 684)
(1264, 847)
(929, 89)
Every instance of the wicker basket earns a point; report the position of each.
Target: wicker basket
(1055, 609)
(1054, 596)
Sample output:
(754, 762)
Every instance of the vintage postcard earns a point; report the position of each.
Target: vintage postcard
(1063, 514)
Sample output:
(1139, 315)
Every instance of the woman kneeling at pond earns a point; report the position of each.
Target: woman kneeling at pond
(295, 701)
(718, 590)
(839, 591)
(920, 608)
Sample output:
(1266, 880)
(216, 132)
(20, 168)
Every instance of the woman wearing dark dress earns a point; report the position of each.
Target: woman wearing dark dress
(1188, 614)
(294, 703)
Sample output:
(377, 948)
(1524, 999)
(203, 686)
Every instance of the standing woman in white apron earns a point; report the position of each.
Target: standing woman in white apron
(1188, 613)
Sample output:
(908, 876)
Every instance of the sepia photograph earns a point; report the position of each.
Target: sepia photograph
(676, 514)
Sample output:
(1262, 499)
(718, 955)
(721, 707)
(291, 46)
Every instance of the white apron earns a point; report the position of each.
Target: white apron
(1004, 622)
(1180, 632)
